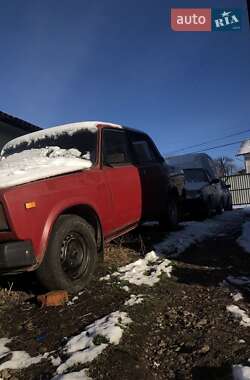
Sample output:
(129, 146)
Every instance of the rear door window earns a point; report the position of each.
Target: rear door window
(143, 148)
(115, 148)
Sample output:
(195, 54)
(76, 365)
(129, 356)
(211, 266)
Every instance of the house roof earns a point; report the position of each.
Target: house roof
(19, 123)
(244, 148)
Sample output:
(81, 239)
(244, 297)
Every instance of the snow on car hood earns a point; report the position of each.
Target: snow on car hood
(195, 186)
(34, 164)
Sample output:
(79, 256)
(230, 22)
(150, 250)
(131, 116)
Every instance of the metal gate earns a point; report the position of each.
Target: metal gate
(240, 188)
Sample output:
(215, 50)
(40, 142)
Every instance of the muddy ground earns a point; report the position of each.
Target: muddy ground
(182, 330)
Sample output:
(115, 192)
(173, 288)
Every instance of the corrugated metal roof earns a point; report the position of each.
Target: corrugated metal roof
(19, 123)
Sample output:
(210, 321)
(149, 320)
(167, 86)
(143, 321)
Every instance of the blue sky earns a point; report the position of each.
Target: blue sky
(115, 60)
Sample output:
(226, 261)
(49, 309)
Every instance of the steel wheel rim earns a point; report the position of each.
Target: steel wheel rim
(73, 257)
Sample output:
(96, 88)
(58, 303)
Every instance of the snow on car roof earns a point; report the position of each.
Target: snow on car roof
(244, 148)
(57, 130)
(35, 164)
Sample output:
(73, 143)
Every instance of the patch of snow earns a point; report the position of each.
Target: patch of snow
(55, 361)
(105, 278)
(237, 297)
(241, 373)
(134, 300)
(34, 164)
(84, 348)
(242, 341)
(194, 232)
(244, 239)
(146, 271)
(126, 288)
(81, 375)
(19, 359)
(242, 207)
(239, 314)
(74, 299)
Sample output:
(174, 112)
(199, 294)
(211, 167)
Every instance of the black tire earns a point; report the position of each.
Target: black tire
(229, 205)
(71, 256)
(206, 210)
(220, 207)
(171, 219)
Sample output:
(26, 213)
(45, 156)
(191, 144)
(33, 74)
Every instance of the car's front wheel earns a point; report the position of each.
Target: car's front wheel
(71, 255)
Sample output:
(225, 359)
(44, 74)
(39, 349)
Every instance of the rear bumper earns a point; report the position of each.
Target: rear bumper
(16, 255)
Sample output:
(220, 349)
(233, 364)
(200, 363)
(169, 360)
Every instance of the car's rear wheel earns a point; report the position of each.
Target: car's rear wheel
(171, 219)
(71, 256)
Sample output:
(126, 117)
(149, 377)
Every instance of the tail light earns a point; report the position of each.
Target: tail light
(3, 221)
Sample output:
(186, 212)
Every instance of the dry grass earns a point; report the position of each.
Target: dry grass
(7, 295)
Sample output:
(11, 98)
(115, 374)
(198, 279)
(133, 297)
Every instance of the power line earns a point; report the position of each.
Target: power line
(220, 146)
(210, 141)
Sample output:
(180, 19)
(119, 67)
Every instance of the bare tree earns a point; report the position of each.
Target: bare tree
(225, 166)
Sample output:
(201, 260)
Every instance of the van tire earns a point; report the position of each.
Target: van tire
(220, 208)
(71, 256)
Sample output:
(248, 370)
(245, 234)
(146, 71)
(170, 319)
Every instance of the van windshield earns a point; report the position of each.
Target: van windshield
(195, 175)
(84, 140)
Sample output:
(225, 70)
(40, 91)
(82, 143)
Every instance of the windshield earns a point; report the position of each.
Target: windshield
(195, 175)
(84, 140)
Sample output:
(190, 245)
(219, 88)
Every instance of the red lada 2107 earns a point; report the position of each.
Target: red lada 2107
(66, 190)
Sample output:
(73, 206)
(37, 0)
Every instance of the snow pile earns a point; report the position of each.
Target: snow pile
(18, 359)
(237, 296)
(195, 232)
(86, 346)
(34, 164)
(68, 129)
(239, 314)
(244, 239)
(146, 271)
(81, 375)
(134, 300)
(241, 373)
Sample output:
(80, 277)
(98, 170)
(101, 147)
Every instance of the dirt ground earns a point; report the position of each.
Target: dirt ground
(182, 330)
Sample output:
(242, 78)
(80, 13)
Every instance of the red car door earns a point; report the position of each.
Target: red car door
(122, 178)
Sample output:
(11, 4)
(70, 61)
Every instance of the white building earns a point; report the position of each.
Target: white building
(245, 151)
